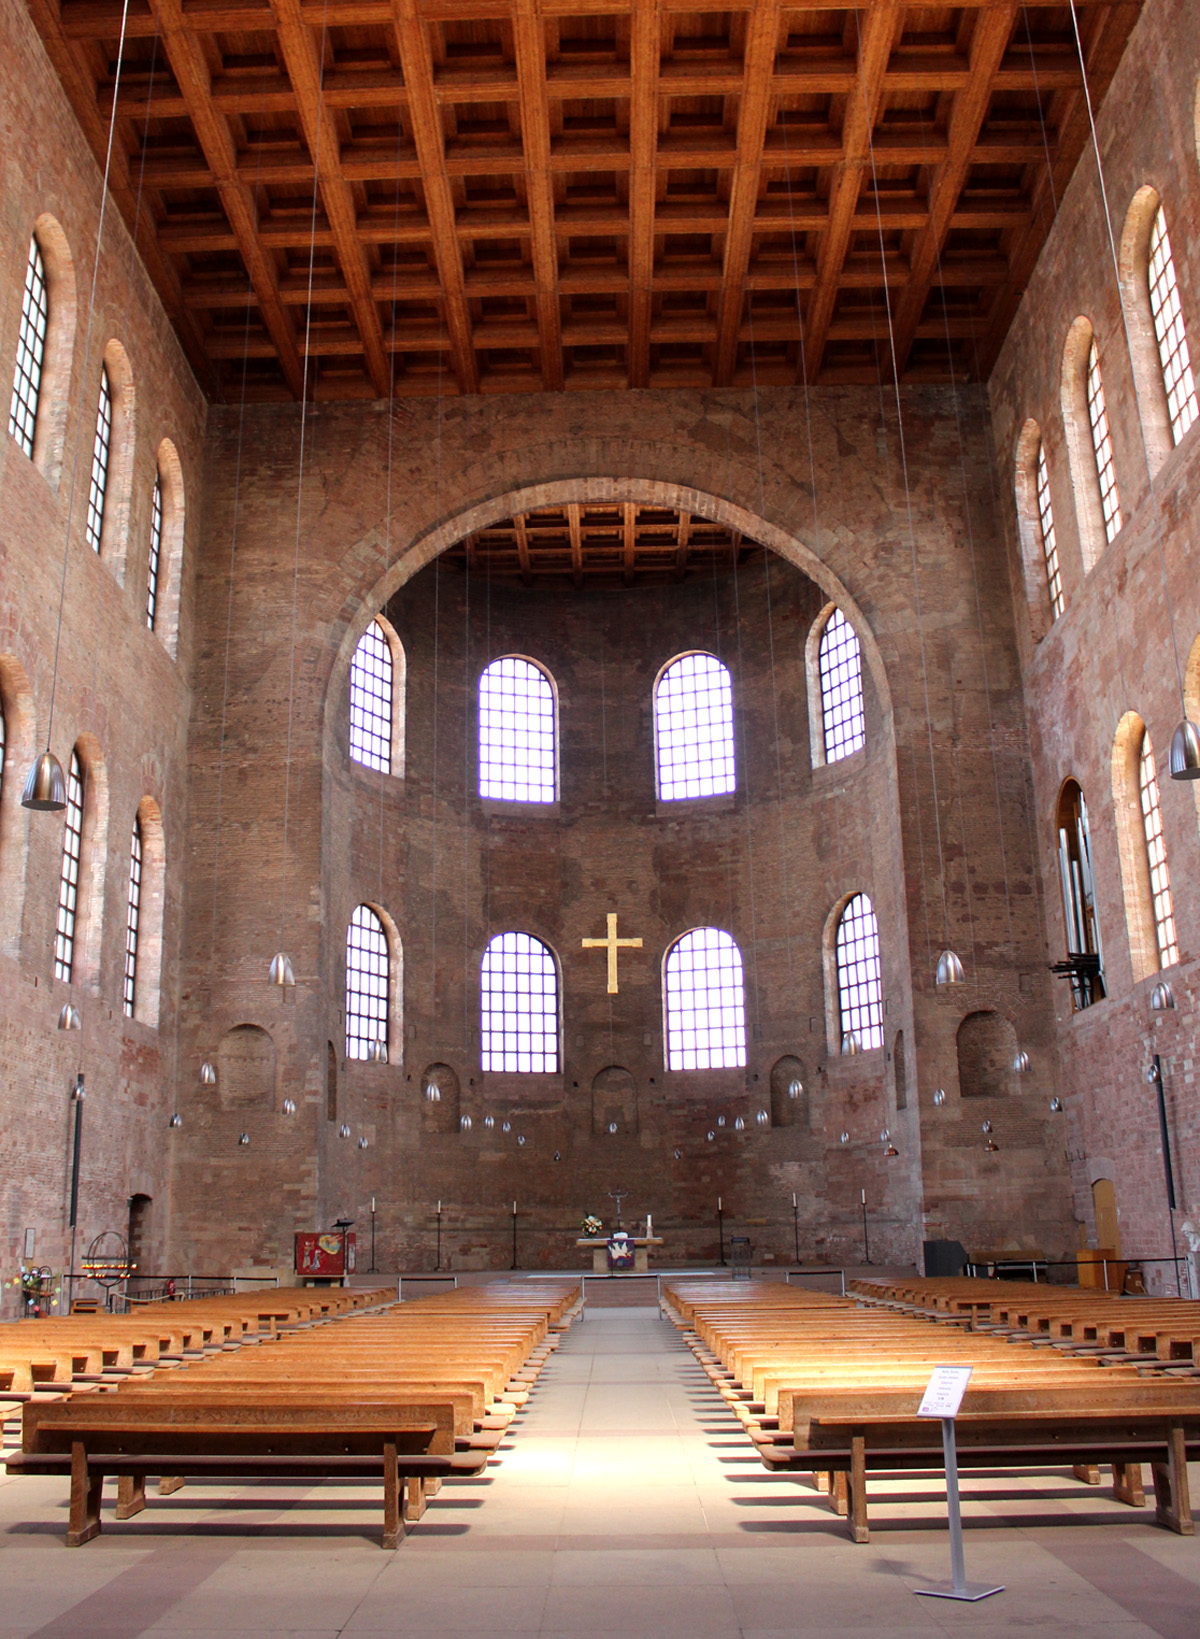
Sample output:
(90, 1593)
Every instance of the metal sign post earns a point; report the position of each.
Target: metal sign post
(943, 1396)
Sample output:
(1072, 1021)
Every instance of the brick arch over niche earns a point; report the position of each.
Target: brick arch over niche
(614, 1098)
(987, 1045)
(246, 1068)
(787, 1111)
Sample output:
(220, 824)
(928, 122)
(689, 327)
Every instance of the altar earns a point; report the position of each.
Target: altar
(598, 1245)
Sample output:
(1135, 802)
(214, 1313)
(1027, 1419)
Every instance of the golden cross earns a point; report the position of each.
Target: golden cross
(612, 944)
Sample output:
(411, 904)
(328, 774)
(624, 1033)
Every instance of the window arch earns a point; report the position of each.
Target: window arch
(101, 445)
(704, 999)
(1110, 497)
(693, 728)
(371, 689)
(129, 983)
(1149, 909)
(1158, 342)
(1161, 903)
(31, 350)
(368, 983)
(518, 753)
(1045, 512)
(1089, 444)
(519, 1004)
(68, 877)
(859, 975)
(1169, 330)
(169, 474)
(1038, 536)
(839, 667)
(45, 345)
(152, 565)
(1078, 883)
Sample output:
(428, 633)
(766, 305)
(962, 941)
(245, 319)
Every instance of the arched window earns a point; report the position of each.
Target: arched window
(1169, 330)
(1156, 856)
(693, 728)
(156, 519)
(859, 976)
(839, 662)
(68, 883)
(1049, 539)
(129, 988)
(368, 974)
(517, 753)
(371, 700)
(3, 746)
(519, 1005)
(31, 348)
(1110, 498)
(1079, 897)
(705, 1002)
(94, 527)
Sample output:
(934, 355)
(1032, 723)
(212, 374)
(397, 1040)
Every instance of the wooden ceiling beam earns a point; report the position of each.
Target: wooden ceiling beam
(629, 540)
(522, 547)
(682, 544)
(530, 46)
(644, 52)
(574, 513)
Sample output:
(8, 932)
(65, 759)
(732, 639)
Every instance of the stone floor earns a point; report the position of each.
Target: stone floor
(627, 1506)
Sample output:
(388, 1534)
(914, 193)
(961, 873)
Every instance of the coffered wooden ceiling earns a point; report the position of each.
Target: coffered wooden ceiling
(463, 196)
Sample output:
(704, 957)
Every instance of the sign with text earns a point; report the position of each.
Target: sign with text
(944, 1391)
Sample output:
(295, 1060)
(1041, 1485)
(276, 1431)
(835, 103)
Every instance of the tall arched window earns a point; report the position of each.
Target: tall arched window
(839, 662)
(519, 988)
(68, 882)
(859, 975)
(31, 348)
(101, 443)
(1169, 330)
(368, 976)
(693, 728)
(704, 997)
(517, 752)
(371, 689)
(1049, 539)
(156, 519)
(1110, 498)
(129, 988)
(1156, 856)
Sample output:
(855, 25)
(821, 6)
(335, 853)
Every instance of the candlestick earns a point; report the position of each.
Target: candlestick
(372, 1203)
(718, 1203)
(439, 1207)
(793, 1197)
(514, 1209)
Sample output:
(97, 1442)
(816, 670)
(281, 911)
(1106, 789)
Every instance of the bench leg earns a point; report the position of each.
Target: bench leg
(393, 1528)
(83, 1522)
(414, 1497)
(169, 1483)
(1173, 1507)
(821, 1481)
(1127, 1484)
(1089, 1473)
(837, 1493)
(859, 1531)
(131, 1495)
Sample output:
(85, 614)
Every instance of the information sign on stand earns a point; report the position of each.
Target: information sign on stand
(942, 1398)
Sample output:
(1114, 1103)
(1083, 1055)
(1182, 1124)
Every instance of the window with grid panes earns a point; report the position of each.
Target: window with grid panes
(94, 527)
(1049, 539)
(517, 754)
(156, 519)
(840, 666)
(1169, 330)
(693, 729)
(368, 982)
(519, 1005)
(371, 700)
(31, 347)
(68, 882)
(1110, 498)
(129, 989)
(1156, 856)
(705, 1002)
(859, 976)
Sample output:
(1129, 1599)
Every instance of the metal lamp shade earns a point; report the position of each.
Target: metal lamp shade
(949, 970)
(1162, 998)
(281, 970)
(69, 1018)
(45, 787)
(377, 1052)
(208, 1074)
(1185, 751)
(1021, 1062)
(851, 1043)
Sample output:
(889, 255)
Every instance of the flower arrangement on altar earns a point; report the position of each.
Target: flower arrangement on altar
(592, 1225)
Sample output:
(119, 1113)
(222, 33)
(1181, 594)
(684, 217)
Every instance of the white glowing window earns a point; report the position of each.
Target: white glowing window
(68, 882)
(517, 761)
(1156, 856)
(1049, 539)
(129, 987)
(156, 521)
(840, 666)
(705, 999)
(520, 1005)
(859, 976)
(371, 700)
(693, 728)
(1110, 498)
(1169, 329)
(31, 347)
(367, 983)
(94, 527)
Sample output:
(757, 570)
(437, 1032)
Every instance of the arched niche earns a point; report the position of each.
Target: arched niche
(787, 1111)
(1134, 263)
(441, 1115)
(614, 1098)
(170, 562)
(1131, 846)
(93, 862)
(148, 990)
(987, 1046)
(54, 397)
(20, 722)
(246, 1068)
(1029, 530)
(1089, 512)
(114, 535)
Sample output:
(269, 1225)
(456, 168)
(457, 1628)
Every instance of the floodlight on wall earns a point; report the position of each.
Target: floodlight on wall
(243, 1140)
(289, 1106)
(344, 1130)
(1185, 751)
(949, 970)
(795, 1088)
(850, 1044)
(1162, 998)
(1020, 1064)
(208, 1074)
(991, 1146)
(433, 1092)
(939, 1097)
(377, 1053)
(464, 1123)
(1056, 1105)
(68, 1018)
(175, 1122)
(45, 788)
(280, 972)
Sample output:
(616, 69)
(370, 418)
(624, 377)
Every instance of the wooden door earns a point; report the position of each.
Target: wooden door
(1104, 1204)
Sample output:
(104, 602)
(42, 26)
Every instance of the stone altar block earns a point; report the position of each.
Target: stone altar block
(641, 1252)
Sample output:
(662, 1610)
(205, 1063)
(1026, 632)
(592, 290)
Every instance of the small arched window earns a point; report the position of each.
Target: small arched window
(519, 993)
(1079, 897)
(101, 445)
(517, 751)
(371, 689)
(859, 976)
(129, 987)
(839, 662)
(156, 521)
(68, 882)
(368, 983)
(693, 728)
(1156, 856)
(1169, 330)
(1049, 539)
(1110, 498)
(704, 997)
(31, 348)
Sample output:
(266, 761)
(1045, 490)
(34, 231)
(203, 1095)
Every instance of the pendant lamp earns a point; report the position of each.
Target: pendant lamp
(949, 970)
(45, 788)
(176, 1121)
(1020, 1062)
(208, 1074)
(377, 1053)
(850, 1043)
(1185, 751)
(69, 1018)
(1162, 998)
(939, 1097)
(281, 971)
